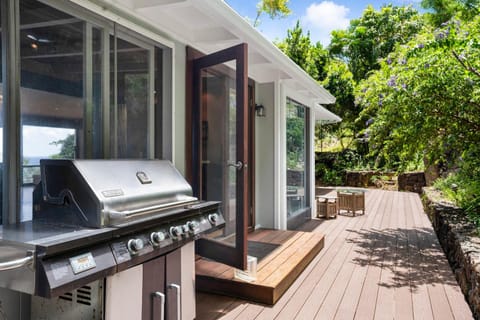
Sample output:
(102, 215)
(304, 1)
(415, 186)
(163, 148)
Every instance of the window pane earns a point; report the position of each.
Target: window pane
(130, 113)
(60, 90)
(296, 157)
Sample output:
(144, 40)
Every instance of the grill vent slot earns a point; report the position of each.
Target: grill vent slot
(82, 295)
(67, 296)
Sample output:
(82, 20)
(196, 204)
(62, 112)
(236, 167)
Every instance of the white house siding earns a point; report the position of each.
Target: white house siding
(264, 157)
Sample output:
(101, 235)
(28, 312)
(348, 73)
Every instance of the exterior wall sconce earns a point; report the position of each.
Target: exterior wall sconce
(260, 110)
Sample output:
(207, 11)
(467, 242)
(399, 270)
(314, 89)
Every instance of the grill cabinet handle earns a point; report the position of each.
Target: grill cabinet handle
(160, 296)
(15, 264)
(176, 287)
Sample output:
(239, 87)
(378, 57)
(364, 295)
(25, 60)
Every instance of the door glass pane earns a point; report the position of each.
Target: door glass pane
(218, 114)
(296, 158)
(130, 113)
(60, 93)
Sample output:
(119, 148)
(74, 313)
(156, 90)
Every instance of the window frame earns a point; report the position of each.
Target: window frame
(299, 216)
(159, 121)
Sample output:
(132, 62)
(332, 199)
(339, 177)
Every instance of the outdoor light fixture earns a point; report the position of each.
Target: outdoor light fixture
(260, 110)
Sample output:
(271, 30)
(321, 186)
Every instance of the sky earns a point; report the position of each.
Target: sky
(318, 17)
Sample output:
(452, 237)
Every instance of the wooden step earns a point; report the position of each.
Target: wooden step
(275, 273)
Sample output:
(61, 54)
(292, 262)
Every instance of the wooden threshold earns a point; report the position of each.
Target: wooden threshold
(275, 272)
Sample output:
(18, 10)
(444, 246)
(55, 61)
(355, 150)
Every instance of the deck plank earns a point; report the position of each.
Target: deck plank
(306, 305)
(385, 264)
(275, 273)
(334, 298)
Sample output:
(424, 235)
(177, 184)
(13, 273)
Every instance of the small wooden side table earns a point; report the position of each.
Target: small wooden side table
(327, 207)
(351, 201)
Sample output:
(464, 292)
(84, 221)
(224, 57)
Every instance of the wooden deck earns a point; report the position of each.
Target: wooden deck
(386, 264)
(290, 252)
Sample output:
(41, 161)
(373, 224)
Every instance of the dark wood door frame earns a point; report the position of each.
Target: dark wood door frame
(251, 160)
(232, 255)
(193, 54)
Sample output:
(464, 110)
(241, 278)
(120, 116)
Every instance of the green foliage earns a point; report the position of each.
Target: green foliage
(339, 82)
(464, 190)
(332, 171)
(423, 104)
(295, 136)
(310, 57)
(67, 150)
(444, 10)
(424, 101)
(373, 36)
(274, 8)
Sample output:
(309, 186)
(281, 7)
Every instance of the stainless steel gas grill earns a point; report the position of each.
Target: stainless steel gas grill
(97, 221)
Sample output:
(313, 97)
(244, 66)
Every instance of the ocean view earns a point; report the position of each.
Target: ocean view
(32, 160)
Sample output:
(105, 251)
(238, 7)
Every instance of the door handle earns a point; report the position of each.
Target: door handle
(176, 287)
(238, 165)
(160, 296)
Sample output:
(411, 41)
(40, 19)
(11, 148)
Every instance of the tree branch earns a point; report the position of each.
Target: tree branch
(467, 67)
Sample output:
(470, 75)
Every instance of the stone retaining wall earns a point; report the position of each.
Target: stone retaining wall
(411, 181)
(364, 179)
(460, 243)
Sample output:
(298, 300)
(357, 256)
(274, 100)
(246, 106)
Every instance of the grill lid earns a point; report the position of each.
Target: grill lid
(98, 193)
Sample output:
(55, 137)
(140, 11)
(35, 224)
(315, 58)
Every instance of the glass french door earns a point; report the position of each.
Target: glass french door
(220, 148)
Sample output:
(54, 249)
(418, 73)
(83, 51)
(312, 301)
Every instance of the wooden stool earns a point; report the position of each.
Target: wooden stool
(327, 207)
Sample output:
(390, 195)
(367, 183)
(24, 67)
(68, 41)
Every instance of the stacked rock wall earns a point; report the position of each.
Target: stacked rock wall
(461, 244)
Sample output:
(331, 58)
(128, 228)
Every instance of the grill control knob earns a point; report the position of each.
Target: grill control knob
(192, 225)
(175, 232)
(157, 237)
(135, 245)
(213, 218)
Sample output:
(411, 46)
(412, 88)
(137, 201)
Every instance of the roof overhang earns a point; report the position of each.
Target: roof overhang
(325, 116)
(212, 25)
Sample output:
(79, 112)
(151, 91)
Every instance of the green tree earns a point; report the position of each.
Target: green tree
(67, 150)
(423, 104)
(274, 9)
(373, 36)
(444, 10)
(339, 82)
(310, 57)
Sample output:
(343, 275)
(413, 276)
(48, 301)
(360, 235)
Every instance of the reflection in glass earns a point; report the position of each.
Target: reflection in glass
(296, 156)
(132, 101)
(60, 91)
(219, 137)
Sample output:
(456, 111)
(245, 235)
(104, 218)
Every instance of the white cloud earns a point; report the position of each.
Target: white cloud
(321, 18)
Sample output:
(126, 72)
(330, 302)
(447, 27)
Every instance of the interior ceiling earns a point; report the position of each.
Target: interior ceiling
(210, 25)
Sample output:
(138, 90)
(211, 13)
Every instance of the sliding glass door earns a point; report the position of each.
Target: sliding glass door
(298, 210)
(87, 90)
